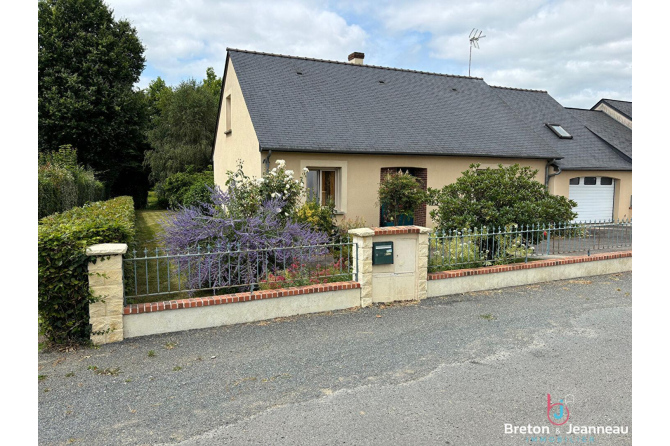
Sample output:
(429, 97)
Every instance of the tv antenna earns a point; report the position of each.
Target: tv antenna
(475, 35)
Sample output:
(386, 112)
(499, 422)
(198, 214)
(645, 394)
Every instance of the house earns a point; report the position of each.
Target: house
(350, 123)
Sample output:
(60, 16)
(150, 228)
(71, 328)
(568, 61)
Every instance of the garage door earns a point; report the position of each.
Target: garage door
(594, 197)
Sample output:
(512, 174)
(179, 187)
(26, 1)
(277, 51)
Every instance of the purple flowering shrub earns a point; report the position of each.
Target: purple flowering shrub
(216, 247)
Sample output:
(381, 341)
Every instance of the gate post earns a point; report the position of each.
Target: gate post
(105, 281)
(363, 265)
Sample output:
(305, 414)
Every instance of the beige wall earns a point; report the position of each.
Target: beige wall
(623, 187)
(242, 142)
(361, 174)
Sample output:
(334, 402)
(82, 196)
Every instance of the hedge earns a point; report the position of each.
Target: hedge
(64, 184)
(63, 294)
(185, 189)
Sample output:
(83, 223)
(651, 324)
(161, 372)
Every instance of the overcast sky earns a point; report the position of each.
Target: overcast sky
(579, 51)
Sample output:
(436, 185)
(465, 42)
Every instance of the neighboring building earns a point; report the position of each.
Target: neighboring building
(351, 123)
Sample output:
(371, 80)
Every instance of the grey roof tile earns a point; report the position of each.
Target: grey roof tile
(585, 151)
(610, 130)
(342, 107)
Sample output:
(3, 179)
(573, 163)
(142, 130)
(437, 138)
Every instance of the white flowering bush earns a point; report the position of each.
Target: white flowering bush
(248, 194)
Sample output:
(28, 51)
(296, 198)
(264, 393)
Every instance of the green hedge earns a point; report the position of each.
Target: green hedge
(185, 189)
(64, 184)
(63, 295)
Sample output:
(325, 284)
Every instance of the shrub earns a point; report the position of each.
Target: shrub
(496, 198)
(253, 245)
(249, 194)
(320, 218)
(63, 293)
(64, 184)
(302, 274)
(185, 189)
(400, 195)
(462, 251)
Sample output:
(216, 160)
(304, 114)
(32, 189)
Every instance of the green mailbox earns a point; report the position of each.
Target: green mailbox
(382, 253)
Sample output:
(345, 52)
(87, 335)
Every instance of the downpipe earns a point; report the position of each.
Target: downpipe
(548, 175)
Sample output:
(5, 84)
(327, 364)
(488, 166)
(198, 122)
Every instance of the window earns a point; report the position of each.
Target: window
(605, 181)
(559, 131)
(322, 185)
(589, 181)
(228, 111)
(574, 181)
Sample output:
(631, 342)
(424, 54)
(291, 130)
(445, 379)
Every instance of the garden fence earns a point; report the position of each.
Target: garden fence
(224, 269)
(517, 243)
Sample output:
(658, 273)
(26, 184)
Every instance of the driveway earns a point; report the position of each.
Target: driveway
(453, 370)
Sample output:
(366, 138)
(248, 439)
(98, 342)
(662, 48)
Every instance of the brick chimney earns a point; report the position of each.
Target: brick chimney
(356, 58)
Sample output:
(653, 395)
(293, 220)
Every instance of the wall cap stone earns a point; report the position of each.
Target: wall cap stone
(362, 232)
(106, 249)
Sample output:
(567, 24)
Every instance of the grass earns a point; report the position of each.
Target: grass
(151, 353)
(147, 227)
(152, 201)
(487, 316)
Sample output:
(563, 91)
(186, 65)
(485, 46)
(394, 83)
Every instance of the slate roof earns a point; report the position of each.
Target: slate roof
(610, 130)
(585, 151)
(343, 107)
(623, 107)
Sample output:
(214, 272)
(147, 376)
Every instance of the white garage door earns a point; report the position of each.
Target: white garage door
(594, 197)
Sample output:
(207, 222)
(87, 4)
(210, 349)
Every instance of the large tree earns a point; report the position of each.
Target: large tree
(88, 63)
(182, 125)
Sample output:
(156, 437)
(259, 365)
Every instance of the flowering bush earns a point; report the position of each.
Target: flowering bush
(249, 194)
(237, 248)
(320, 218)
(301, 275)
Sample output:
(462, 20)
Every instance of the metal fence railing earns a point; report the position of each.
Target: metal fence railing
(223, 269)
(498, 246)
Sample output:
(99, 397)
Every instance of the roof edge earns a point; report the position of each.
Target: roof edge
(351, 64)
(518, 89)
(361, 152)
(602, 101)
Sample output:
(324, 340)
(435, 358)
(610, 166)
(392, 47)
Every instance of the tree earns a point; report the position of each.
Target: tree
(87, 66)
(182, 125)
(498, 197)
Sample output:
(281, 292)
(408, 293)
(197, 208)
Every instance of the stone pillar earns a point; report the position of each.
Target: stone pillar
(105, 280)
(422, 265)
(363, 264)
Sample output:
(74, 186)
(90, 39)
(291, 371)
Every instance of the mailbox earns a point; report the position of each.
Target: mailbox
(382, 253)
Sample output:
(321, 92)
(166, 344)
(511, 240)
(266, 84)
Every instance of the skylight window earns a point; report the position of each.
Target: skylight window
(559, 131)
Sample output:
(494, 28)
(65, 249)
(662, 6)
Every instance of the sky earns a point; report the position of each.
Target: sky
(578, 51)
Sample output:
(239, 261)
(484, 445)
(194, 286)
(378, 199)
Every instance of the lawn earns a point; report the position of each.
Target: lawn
(147, 228)
(151, 276)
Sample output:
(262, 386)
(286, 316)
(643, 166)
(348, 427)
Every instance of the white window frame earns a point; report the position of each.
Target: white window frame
(340, 169)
